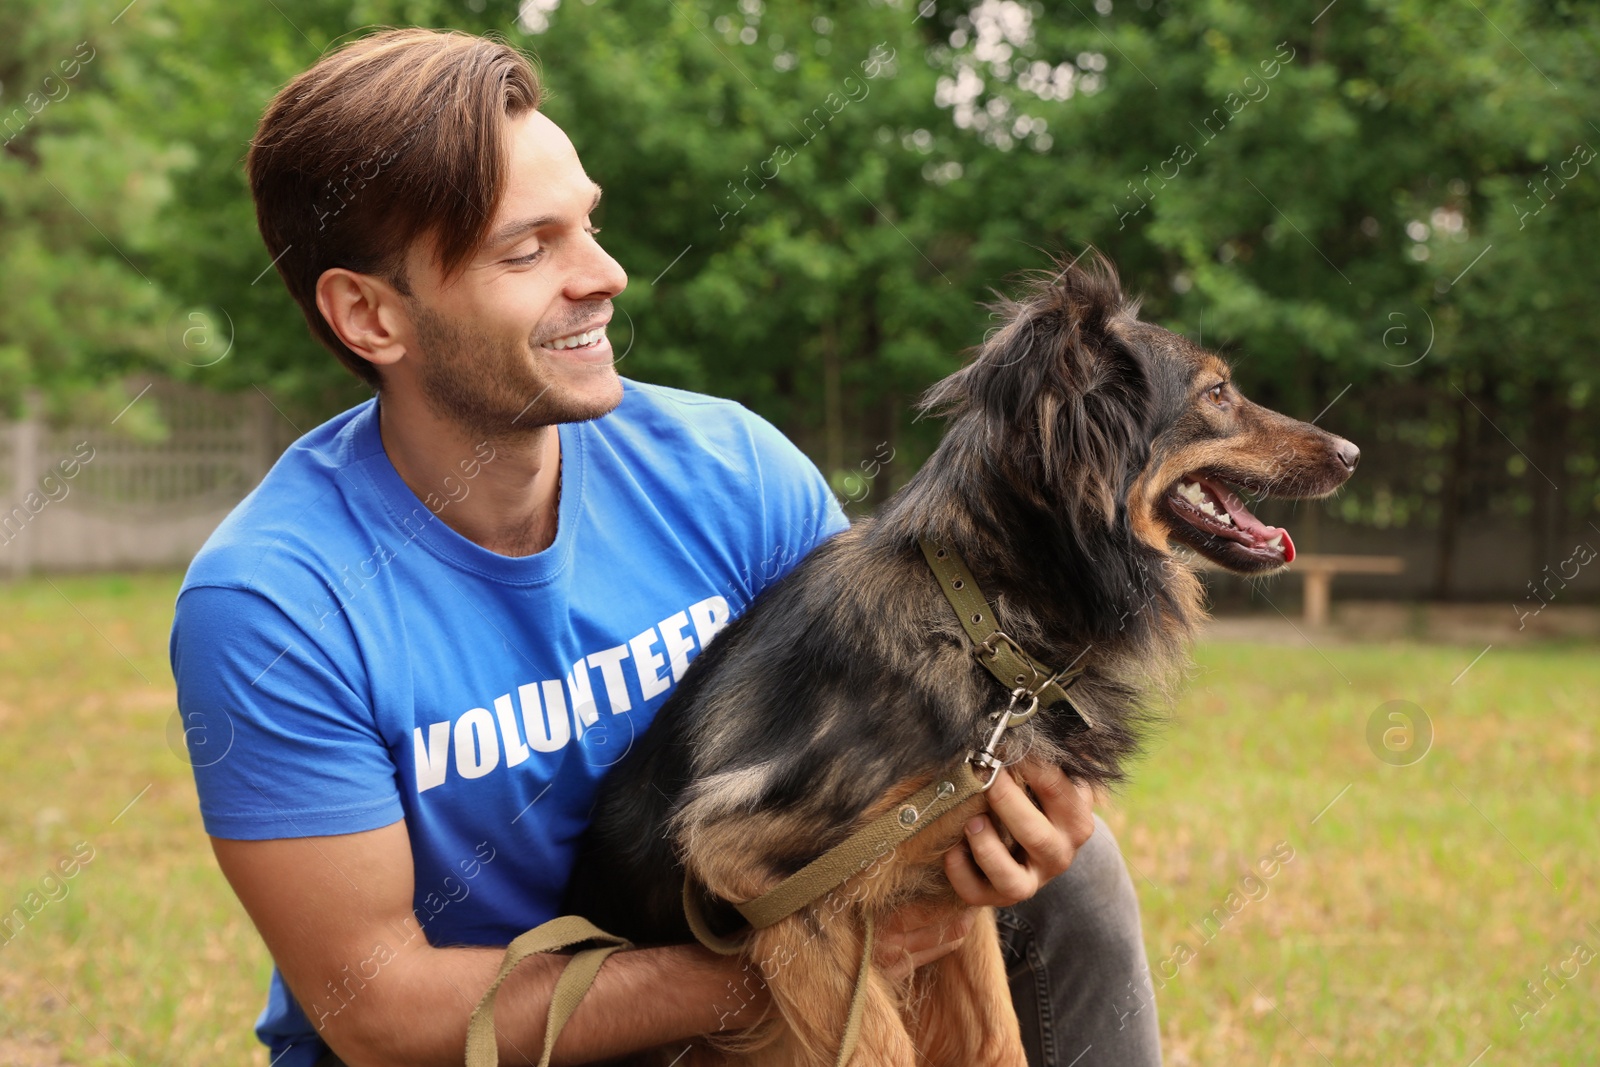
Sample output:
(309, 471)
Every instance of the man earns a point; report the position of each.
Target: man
(446, 611)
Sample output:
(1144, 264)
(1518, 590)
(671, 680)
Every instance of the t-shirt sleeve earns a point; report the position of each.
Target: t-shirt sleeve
(800, 510)
(280, 743)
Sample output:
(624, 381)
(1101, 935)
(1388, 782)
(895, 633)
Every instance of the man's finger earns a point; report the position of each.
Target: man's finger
(903, 948)
(1048, 847)
(970, 883)
(923, 936)
(911, 917)
(1068, 804)
(1012, 881)
(933, 952)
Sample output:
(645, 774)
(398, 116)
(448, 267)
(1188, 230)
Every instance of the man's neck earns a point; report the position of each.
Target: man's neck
(497, 494)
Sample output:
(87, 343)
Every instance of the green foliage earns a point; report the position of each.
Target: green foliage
(814, 198)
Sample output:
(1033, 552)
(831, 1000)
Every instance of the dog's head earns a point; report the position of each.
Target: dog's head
(1213, 446)
(1133, 429)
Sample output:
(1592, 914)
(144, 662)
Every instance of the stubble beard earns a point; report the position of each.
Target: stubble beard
(496, 389)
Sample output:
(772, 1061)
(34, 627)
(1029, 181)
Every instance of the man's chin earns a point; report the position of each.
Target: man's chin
(572, 394)
(588, 392)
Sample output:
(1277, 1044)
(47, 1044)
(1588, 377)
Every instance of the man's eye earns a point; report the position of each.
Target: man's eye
(523, 261)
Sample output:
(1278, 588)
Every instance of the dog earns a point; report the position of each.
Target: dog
(1090, 460)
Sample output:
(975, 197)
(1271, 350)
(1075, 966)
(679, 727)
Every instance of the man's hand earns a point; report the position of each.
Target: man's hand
(913, 936)
(989, 874)
(1050, 835)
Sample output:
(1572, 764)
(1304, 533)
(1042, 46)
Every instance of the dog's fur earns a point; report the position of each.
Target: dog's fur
(850, 683)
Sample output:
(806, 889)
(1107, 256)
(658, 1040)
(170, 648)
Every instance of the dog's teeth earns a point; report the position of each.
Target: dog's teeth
(1208, 507)
(1275, 541)
(1225, 519)
(1191, 492)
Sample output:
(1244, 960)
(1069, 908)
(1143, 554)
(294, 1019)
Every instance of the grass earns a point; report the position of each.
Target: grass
(145, 957)
(1420, 898)
(1418, 901)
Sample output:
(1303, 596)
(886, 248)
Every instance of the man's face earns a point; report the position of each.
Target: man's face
(518, 339)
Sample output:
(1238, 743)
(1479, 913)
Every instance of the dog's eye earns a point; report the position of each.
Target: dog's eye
(1217, 394)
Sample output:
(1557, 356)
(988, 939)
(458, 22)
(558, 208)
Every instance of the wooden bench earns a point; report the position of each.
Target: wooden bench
(1319, 571)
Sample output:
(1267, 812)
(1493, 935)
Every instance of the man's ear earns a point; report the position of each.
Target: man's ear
(366, 313)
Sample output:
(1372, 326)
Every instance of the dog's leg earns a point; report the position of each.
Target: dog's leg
(961, 1005)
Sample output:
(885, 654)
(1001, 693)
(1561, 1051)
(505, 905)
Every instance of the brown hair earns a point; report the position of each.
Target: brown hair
(394, 137)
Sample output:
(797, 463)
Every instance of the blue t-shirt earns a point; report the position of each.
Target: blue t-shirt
(344, 659)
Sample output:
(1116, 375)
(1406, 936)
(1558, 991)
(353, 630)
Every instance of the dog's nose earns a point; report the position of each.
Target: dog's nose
(1349, 454)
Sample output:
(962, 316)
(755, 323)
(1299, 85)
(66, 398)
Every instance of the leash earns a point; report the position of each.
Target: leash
(576, 979)
(857, 853)
(1031, 684)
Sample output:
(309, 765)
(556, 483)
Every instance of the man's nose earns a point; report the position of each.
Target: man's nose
(603, 279)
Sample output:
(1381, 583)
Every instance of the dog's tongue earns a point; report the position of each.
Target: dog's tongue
(1259, 532)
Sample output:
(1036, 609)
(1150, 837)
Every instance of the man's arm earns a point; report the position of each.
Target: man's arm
(325, 905)
(335, 912)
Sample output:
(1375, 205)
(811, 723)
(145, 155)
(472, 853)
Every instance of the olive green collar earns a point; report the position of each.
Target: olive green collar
(1025, 677)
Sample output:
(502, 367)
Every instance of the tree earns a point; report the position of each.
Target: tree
(1382, 210)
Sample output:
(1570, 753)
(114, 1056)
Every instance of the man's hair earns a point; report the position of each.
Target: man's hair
(394, 137)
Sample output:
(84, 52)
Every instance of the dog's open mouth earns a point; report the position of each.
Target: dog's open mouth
(1212, 519)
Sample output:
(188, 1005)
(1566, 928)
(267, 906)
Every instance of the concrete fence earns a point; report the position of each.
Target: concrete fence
(95, 497)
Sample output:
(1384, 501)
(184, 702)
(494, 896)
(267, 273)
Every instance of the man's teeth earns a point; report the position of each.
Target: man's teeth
(1195, 494)
(578, 340)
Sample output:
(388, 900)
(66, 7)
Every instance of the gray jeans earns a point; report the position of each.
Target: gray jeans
(1075, 958)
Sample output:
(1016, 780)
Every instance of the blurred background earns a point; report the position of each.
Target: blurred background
(1382, 212)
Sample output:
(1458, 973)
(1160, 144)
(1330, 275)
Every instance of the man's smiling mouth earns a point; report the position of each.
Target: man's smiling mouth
(587, 339)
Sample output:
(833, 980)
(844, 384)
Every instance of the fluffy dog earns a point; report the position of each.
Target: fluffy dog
(1081, 444)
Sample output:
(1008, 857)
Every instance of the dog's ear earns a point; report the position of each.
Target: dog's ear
(1061, 395)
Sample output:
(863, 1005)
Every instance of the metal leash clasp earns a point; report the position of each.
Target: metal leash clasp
(988, 758)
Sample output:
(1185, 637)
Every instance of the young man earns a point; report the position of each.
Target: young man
(406, 660)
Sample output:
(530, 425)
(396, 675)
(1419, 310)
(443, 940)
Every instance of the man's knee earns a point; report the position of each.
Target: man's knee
(1076, 961)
